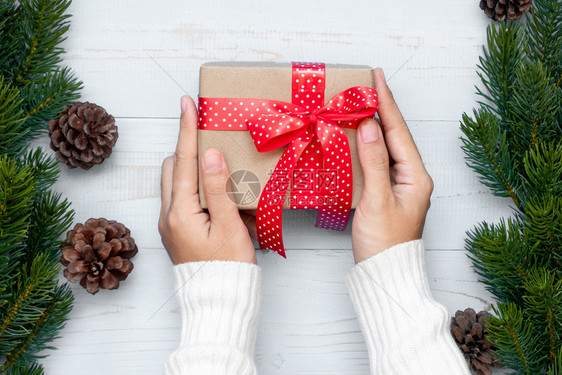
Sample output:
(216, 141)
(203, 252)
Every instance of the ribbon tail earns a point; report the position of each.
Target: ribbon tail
(270, 206)
(336, 180)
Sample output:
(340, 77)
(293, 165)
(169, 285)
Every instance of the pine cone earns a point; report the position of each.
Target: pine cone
(500, 9)
(469, 331)
(97, 254)
(83, 135)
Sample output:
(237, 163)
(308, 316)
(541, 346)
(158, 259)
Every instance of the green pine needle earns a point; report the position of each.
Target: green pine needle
(515, 339)
(543, 169)
(544, 36)
(497, 68)
(514, 143)
(43, 25)
(543, 304)
(46, 96)
(14, 136)
(556, 368)
(543, 225)
(33, 369)
(533, 108)
(34, 88)
(485, 146)
(501, 256)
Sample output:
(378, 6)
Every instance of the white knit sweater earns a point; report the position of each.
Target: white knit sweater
(405, 329)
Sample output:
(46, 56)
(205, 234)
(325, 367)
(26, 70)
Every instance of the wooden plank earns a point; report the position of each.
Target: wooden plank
(307, 324)
(135, 56)
(126, 187)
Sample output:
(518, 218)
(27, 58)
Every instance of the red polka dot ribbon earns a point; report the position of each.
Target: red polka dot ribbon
(317, 159)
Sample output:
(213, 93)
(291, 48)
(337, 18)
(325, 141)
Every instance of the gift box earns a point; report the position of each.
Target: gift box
(288, 135)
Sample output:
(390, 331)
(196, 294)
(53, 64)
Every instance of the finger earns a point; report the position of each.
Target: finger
(373, 156)
(215, 179)
(250, 222)
(166, 185)
(185, 157)
(397, 136)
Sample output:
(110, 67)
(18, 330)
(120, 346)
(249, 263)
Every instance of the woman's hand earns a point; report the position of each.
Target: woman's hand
(189, 233)
(395, 197)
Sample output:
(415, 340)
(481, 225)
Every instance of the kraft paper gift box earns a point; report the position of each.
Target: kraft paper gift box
(266, 81)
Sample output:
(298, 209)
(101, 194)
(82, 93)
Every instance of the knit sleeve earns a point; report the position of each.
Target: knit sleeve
(220, 303)
(405, 329)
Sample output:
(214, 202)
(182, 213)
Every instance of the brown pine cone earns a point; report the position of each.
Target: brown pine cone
(469, 331)
(499, 10)
(97, 254)
(83, 135)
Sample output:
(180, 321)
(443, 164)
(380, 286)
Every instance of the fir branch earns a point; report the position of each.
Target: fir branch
(486, 149)
(51, 218)
(44, 24)
(27, 304)
(33, 369)
(33, 308)
(501, 256)
(43, 331)
(16, 192)
(514, 339)
(543, 225)
(556, 368)
(46, 96)
(543, 169)
(45, 168)
(13, 134)
(543, 303)
(11, 38)
(497, 68)
(515, 144)
(544, 40)
(533, 108)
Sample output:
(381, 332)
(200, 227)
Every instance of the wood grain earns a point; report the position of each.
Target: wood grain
(137, 58)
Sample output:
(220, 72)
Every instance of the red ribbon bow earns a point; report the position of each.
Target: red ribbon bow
(317, 159)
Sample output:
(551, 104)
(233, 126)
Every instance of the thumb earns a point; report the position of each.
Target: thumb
(214, 178)
(374, 159)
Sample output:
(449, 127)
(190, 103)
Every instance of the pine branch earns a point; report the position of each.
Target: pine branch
(514, 143)
(545, 37)
(486, 149)
(44, 24)
(543, 225)
(33, 369)
(11, 38)
(46, 96)
(51, 321)
(51, 218)
(45, 168)
(28, 303)
(16, 192)
(514, 339)
(497, 67)
(501, 256)
(33, 90)
(533, 109)
(556, 368)
(13, 134)
(543, 304)
(543, 169)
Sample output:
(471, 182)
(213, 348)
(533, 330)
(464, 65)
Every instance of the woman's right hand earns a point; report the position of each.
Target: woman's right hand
(396, 194)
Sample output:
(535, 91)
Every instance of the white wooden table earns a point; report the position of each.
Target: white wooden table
(137, 58)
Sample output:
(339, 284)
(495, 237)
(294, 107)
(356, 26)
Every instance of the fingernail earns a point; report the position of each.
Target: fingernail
(369, 131)
(184, 103)
(212, 162)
